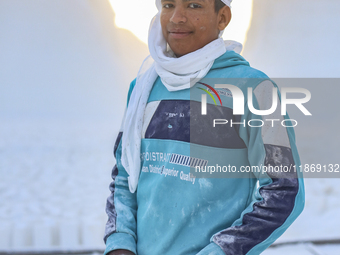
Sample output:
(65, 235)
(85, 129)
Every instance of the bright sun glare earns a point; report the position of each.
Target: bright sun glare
(135, 15)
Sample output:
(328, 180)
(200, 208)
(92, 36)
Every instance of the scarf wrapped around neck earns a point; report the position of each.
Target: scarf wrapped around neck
(175, 73)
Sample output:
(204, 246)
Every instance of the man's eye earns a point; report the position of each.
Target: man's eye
(194, 6)
(167, 6)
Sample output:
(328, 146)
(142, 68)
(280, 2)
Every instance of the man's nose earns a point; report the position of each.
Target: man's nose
(178, 15)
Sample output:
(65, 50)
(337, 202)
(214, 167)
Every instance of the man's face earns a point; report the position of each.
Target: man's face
(189, 25)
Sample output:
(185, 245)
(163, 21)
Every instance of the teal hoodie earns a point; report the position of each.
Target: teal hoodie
(174, 212)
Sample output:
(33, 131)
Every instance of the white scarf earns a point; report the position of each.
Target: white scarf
(175, 74)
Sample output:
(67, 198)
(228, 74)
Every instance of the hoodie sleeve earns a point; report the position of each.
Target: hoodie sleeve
(278, 197)
(121, 206)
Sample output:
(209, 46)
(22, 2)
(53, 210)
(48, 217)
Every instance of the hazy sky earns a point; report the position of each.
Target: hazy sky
(135, 15)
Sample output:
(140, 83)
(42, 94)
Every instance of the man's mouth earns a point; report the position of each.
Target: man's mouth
(178, 34)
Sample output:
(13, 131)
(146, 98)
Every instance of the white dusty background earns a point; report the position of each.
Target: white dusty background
(64, 74)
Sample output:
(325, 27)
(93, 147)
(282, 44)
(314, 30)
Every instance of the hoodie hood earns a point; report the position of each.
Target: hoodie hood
(229, 59)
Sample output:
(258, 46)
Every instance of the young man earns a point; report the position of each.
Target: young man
(172, 212)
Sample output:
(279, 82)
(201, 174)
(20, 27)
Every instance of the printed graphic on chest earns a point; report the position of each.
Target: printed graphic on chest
(174, 114)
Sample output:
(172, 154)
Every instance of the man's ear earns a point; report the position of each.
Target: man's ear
(224, 17)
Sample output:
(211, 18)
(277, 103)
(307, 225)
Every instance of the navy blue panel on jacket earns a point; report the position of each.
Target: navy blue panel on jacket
(181, 120)
(268, 214)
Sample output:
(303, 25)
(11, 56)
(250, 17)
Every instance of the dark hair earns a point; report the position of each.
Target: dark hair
(218, 5)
